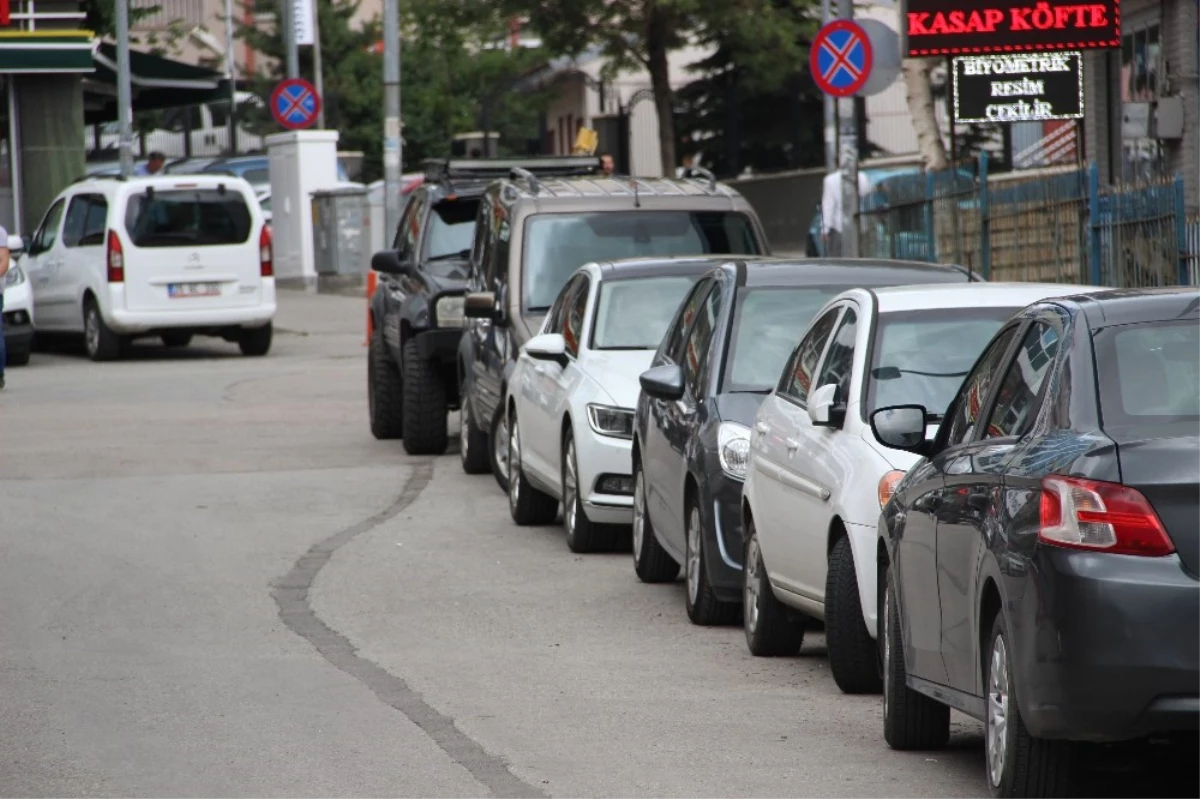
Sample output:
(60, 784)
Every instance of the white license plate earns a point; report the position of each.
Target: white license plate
(193, 289)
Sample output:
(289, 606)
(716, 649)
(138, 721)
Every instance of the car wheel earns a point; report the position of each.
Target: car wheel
(176, 339)
(1018, 764)
(583, 535)
(101, 343)
(472, 442)
(423, 405)
(527, 504)
(650, 560)
(255, 341)
(772, 628)
(498, 448)
(16, 356)
(911, 720)
(853, 653)
(384, 394)
(703, 606)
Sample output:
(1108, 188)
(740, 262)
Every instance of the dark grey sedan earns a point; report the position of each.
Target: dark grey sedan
(722, 354)
(1042, 561)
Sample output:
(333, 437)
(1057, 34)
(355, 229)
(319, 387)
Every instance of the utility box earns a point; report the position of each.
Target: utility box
(341, 231)
(301, 162)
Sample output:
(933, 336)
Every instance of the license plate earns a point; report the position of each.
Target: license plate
(194, 290)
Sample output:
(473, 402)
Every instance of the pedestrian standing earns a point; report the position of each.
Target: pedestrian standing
(4, 258)
(154, 164)
(607, 164)
(832, 221)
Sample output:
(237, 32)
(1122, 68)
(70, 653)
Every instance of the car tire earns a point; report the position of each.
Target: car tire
(583, 535)
(528, 505)
(650, 561)
(911, 720)
(423, 404)
(703, 606)
(16, 356)
(772, 628)
(385, 395)
(256, 341)
(853, 653)
(99, 340)
(174, 340)
(498, 448)
(1018, 764)
(472, 443)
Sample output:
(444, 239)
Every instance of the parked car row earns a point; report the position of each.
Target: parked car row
(987, 494)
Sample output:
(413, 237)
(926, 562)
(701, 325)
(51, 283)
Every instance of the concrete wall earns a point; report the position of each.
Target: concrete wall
(50, 112)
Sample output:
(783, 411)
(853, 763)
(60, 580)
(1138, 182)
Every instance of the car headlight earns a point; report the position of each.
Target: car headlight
(733, 448)
(448, 312)
(609, 421)
(15, 276)
(887, 486)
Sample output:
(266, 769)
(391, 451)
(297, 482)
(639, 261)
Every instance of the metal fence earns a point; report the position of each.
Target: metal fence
(1062, 227)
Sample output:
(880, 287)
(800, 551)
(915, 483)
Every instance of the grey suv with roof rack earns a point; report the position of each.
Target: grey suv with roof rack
(416, 311)
(533, 234)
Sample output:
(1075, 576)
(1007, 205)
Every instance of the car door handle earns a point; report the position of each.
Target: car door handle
(762, 428)
(793, 443)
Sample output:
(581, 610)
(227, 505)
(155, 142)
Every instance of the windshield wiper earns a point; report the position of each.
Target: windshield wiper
(894, 372)
(446, 256)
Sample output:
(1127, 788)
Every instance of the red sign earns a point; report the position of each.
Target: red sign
(840, 58)
(963, 27)
(5, 13)
(295, 103)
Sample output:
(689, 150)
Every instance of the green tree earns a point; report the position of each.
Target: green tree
(101, 16)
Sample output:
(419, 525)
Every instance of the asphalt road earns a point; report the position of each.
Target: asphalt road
(214, 582)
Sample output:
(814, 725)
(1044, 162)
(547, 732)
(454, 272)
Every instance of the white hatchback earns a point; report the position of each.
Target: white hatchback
(817, 477)
(572, 396)
(170, 256)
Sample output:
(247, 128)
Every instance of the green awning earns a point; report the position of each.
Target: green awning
(52, 51)
(156, 82)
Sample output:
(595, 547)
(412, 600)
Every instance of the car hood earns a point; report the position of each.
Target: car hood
(617, 372)
(740, 406)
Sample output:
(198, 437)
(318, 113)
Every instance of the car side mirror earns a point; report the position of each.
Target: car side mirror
(823, 409)
(481, 305)
(388, 262)
(902, 427)
(548, 347)
(663, 382)
(16, 244)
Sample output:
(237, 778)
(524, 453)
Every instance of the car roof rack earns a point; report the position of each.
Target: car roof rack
(693, 172)
(439, 170)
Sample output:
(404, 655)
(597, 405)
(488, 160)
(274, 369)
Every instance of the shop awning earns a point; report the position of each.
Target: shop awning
(23, 52)
(156, 82)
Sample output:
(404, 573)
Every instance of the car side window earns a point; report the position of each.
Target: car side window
(482, 245)
(797, 381)
(1022, 389)
(48, 232)
(574, 311)
(674, 348)
(77, 211)
(699, 341)
(86, 221)
(409, 230)
(839, 362)
(968, 405)
(555, 314)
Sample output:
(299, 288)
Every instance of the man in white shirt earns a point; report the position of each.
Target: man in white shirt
(4, 258)
(832, 222)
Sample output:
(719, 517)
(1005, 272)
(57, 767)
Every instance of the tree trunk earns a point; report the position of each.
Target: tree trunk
(657, 33)
(921, 108)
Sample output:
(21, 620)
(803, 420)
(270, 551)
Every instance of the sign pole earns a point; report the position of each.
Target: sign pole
(848, 151)
(391, 116)
(831, 159)
(230, 68)
(124, 90)
(289, 38)
(318, 72)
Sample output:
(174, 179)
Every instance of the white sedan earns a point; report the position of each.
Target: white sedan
(572, 395)
(817, 477)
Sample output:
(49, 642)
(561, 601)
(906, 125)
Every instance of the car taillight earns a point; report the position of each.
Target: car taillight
(1101, 517)
(265, 261)
(116, 259)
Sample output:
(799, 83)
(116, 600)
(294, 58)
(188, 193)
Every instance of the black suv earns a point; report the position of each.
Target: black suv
(533, 234)
(417, 309)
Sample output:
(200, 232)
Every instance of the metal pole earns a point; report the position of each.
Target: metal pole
(848, 146)
(830, 114)
(391, 113)
(229, 76)
(289, 38)
(124, 89)
(318, 72)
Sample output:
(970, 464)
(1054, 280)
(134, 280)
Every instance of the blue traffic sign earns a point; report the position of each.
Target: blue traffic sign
(841, 58)
(295, 103)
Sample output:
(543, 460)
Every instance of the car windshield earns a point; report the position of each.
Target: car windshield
(768, 322)
(1149, 373)
(196, 217)
(922, 357)
(558, 244)
(633, 314)
(451, 229)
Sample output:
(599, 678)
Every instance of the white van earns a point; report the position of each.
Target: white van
(171, 256)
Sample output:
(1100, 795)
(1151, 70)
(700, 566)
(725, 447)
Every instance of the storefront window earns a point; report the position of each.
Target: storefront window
(1141, 66)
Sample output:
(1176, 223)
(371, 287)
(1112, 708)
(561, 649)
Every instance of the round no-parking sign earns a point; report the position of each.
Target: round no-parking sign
(295, 103)
(841, 58)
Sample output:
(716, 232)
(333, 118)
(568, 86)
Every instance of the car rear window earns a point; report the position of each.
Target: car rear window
(768, 322)
(558, 244)
(187, 218)
(1149, 373)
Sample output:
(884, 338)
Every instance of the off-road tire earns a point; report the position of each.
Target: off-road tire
(853, 653)
(911, 720)
(777, 630)
(385, 395)
(255, 341)
(423, 408)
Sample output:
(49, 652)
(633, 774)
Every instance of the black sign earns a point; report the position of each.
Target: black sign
(1024, 87)
(975, 27)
